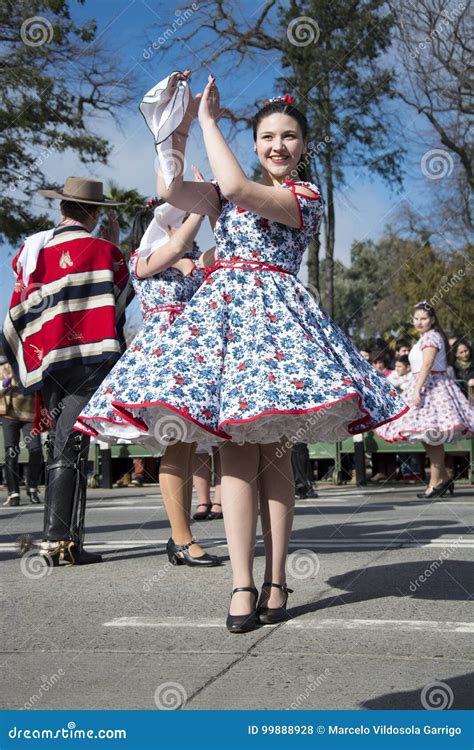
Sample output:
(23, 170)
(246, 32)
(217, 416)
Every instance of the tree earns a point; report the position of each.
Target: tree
(435, 53)
(54, 76)
(342, 94)
(375, 296)
(131, 201)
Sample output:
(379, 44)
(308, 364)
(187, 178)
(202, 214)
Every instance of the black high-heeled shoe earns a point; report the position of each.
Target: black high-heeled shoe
(242, 623)
(213, 516)
(202, 515)
(274, 615)
(178, 554)
(438, 491)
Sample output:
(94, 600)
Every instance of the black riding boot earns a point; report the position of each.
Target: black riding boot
(60, 540)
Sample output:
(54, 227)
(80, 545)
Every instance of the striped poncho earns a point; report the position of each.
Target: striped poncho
(72, 311)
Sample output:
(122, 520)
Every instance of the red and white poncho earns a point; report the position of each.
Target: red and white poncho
(72, 310)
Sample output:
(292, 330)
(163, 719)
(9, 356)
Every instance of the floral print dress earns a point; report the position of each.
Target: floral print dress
(444, 413)
(253, 358)
(162, 298)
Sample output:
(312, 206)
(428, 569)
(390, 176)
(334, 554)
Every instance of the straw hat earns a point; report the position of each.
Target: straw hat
(81, 190)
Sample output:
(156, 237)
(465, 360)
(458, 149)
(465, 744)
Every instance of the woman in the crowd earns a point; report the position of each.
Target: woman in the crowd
(439, 412)
(463, 366)
(17, 416)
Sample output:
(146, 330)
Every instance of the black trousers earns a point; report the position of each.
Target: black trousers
(302, 467)
(65, 393)
(12, 429)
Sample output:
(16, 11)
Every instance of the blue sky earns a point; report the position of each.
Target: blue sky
(130, 27)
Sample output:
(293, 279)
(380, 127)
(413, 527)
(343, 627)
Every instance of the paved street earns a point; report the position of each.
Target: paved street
(380, 611)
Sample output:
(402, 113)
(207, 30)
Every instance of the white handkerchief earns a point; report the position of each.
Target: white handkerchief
(28, 257)
(156, 233)
(163, 115)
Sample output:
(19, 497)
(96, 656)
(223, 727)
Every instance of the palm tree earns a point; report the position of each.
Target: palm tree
(132, 201)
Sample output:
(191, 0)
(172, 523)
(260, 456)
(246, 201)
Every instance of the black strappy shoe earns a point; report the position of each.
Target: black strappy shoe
(274, 615)
(178, 554)
(242, 623)
(213, 516)
(438, 491)
(203, 514)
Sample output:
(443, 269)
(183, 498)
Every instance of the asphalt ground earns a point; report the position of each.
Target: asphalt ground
(379, 616)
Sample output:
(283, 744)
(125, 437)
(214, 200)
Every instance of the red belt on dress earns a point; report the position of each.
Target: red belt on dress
(173, 309)
(245, 265)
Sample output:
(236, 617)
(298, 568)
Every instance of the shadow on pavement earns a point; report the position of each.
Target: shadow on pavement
(454, 693)
(438, 579)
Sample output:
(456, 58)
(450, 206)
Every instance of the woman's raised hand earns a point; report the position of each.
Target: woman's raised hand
(173, 81)
(209, 108)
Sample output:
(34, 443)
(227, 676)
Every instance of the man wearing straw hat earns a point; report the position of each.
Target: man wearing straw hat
(62, 333)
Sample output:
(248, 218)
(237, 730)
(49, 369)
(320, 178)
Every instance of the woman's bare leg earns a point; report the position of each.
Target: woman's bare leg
(439, 473)
(216, 506)
(175, 485)
(202, 480)
(277, 502)
(239, 493)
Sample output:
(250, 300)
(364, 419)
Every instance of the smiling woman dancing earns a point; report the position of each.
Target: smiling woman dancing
(253, 360)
